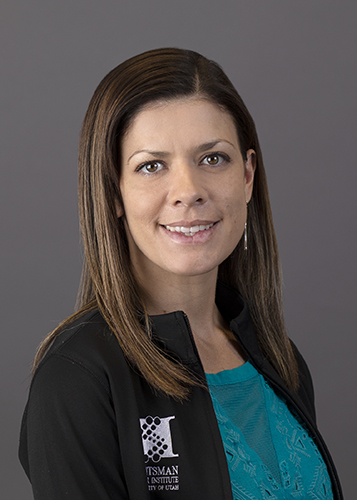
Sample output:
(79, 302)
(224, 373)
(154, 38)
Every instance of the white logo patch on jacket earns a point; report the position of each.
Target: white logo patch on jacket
(156, 438)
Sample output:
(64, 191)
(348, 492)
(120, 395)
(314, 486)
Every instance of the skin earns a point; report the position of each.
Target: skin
(181, 167)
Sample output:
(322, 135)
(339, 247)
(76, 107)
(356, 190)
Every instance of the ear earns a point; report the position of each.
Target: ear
(119, 209)
(250, 165)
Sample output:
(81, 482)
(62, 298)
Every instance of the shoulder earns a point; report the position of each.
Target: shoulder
(69, 417)
(89, 328)
(86, 346)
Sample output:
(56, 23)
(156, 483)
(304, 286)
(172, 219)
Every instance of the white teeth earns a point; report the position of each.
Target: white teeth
(188, 231)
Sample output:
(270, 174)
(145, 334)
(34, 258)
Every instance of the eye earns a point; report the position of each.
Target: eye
(215, 159)
(150, 167)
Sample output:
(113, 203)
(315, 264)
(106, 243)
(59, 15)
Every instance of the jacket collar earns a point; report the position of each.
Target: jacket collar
(235, 311)
(172, 331)
(243, 329)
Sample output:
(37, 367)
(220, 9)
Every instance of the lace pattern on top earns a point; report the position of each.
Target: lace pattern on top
(296, 471)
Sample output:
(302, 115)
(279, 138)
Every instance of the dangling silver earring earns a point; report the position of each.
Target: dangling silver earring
(245, 233)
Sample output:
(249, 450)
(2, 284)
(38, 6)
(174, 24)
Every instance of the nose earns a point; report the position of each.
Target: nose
(186, 186)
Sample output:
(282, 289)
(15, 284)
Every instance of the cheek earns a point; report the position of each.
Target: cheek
(235, 203)
(139, 210)
(237, 218)
(135, 200)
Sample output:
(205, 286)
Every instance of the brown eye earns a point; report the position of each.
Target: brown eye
(213, 159)
(151, 167)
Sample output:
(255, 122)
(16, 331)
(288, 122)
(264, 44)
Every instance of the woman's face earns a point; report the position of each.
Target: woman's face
(184, 187)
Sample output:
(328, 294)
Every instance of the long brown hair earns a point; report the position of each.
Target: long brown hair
(107, 279)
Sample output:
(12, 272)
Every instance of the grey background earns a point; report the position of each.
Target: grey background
(294, 63)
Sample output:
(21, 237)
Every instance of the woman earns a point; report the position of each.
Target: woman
(163, 385)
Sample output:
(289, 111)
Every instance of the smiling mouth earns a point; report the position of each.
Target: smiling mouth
(189, 231)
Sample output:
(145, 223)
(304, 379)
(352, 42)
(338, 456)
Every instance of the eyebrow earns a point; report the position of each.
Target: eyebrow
(202, 147)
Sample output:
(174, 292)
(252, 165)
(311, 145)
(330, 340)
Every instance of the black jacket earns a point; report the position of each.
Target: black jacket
(94, 430)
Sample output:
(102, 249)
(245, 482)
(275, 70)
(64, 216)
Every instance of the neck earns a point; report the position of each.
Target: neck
(195, 295)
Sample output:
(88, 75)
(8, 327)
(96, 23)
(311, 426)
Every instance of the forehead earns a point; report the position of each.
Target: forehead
(181, 121)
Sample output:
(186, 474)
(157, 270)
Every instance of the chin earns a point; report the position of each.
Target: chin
(193, 270)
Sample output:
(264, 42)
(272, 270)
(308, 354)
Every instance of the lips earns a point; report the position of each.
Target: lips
(189, 230)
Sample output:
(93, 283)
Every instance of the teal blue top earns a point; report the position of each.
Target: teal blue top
(269, 452)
